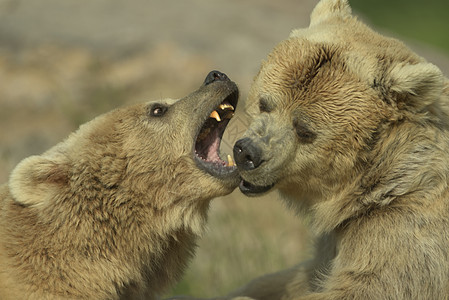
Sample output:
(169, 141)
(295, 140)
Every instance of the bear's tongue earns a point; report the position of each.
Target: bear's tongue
(208, 145)
(212, 149)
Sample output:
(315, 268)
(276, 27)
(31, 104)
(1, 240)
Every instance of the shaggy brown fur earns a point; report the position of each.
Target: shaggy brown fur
(352, 128)
(114, 211)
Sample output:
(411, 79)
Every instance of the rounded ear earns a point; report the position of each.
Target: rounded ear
(36, 180)
(326, 9)
(419, 84)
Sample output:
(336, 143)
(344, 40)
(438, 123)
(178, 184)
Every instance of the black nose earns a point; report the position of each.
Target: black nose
(215, 76)
(247, 155)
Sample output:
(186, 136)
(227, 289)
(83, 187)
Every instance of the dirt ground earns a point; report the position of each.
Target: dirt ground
(64, 62)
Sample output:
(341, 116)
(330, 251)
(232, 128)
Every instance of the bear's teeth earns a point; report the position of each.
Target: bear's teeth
(215, 116)
(225, 106)
(230, 161)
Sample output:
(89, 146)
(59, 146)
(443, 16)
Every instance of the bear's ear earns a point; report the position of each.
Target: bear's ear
(419, 84)
(37, 179)
(329, 8)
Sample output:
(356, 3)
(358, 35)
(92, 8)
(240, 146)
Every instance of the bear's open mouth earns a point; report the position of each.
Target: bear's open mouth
(208, 140)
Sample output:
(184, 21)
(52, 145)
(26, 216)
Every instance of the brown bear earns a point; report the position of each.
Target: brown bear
(115, 210)
(352, 128)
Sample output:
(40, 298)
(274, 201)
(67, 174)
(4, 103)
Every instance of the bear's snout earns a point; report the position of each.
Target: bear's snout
(247, 155)
(215, 76)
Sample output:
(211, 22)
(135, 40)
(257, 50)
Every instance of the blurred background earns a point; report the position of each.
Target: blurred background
(64, 62)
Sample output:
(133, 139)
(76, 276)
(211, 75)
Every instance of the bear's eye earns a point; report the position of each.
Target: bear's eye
(158, 110)
(264, 106)
(304, 134)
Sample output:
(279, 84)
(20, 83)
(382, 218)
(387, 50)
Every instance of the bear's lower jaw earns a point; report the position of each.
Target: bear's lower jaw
(253, 190)
(218, 169)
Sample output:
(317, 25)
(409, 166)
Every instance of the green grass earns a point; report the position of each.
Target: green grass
(425, 21)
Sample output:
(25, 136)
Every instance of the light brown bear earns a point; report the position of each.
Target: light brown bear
(353, 128)
(114, 211)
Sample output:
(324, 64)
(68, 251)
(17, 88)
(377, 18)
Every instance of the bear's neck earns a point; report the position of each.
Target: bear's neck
(125, 243)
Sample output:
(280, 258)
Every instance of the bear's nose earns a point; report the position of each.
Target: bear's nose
(215, 76)
(247, 155)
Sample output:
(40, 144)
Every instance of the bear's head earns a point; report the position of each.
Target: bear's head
(320, 100)
(159, 153)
